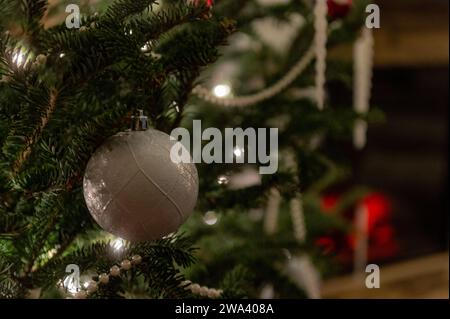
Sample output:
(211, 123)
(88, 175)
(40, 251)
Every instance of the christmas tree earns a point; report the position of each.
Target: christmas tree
(270, 225)
(68, 96)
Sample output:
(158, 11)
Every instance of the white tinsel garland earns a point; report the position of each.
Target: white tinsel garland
(363, 64)
(320, 42)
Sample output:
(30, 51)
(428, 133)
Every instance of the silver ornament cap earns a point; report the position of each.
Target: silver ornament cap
(139, 122)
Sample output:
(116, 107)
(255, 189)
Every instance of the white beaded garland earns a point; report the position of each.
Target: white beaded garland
(114, 271)
(80, 294)
(317, 50)
(363, 63)
(320, 42)
(103, 278)
(125, 264)
(201, 290)
(92, 287)
(195, 288)
(272, 212)
(204, 291)
(265, 94)
(136, 260)
(212, 293)
(298, 219)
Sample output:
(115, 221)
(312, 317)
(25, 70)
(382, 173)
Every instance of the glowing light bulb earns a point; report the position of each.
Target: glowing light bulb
(238, 152)
(222, 180)
(51, 253)
(169, 236)
(222, 90)
(175, 105)
(18, 58)
(117, 244)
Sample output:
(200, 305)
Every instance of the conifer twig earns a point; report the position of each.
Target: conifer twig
(21, 159)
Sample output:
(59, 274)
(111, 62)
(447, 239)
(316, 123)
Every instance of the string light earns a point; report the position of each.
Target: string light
(145, 48)
(238, 152)
(222, 180)
(175, 106)
(52, 252)
(118, 243)
(18, 58)
(267, 93)
(222, 90)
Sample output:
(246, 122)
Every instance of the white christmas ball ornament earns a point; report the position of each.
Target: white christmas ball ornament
(135, 191)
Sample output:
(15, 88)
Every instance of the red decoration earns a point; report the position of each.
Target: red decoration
(209, 3)
(329, 202)
(379, 210)
(380, 231)
(338, 8)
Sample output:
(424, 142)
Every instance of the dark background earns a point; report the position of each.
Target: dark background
(407, 157)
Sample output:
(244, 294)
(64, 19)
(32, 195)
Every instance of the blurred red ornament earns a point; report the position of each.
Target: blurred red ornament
(209, 3)
(378, 208)
(329, 202)
(338, 8)
(327, 244)
(381, 239)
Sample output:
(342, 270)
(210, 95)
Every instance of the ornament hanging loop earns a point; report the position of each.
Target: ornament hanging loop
(139, 122)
